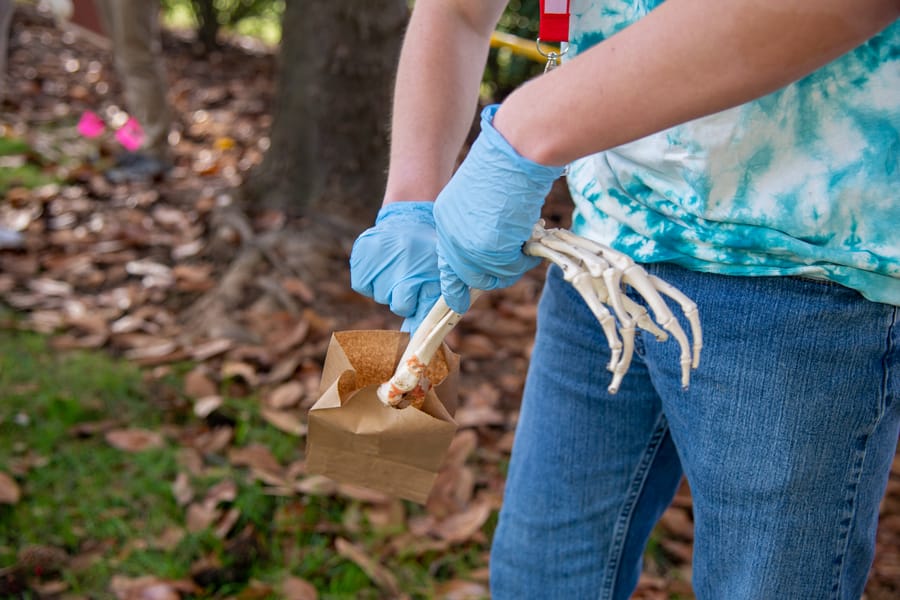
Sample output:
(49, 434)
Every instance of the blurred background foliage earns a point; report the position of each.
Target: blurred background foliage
(261, 19)
(257, 18)
(505, 70)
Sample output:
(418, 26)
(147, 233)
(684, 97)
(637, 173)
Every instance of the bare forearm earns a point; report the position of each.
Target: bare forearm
(686, 59)
(436, 95)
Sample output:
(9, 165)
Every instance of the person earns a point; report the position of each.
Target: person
(133, 27)
(748, 153)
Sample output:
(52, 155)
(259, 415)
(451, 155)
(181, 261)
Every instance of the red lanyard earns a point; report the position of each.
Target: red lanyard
(554, 24)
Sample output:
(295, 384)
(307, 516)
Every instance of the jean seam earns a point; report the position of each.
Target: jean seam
(889, 350)
(846, 524)
(856, 473)
(637, 485)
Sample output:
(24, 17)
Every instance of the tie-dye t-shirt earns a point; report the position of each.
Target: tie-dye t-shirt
(804, 181)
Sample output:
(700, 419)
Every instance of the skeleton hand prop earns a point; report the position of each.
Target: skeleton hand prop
(599, 273)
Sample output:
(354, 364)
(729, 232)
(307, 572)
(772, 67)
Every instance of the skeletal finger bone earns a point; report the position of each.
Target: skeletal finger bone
(608, 270)
(626, 265)
(624, 307)
(689, 307)
(620, 352)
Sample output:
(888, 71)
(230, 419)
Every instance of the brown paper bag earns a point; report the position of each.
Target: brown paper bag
(354, 438)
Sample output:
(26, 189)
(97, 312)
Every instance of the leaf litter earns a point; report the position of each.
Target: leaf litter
(161, 274)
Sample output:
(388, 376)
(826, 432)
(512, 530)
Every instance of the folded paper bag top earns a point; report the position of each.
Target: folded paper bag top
(354, 438)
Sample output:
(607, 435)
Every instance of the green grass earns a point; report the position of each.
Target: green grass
(77, 489)
(28, 174)
(90, 499)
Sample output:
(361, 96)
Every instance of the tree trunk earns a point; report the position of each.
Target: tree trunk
(329, 135)
(208, 31)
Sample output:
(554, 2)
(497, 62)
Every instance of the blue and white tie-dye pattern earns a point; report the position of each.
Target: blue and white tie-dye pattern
(804, 181)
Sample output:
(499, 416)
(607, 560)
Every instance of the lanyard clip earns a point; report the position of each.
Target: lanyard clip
(553, 56)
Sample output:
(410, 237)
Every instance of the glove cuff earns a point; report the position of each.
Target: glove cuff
(417, 212)
(497, 143)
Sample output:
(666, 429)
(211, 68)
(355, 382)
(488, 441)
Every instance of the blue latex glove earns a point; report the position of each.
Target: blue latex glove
(395, 262)
(485, 214)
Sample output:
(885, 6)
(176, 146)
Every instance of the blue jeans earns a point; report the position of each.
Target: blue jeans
(786, 436)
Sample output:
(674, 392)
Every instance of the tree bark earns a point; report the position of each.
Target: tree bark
(329, 135)
(208, 31)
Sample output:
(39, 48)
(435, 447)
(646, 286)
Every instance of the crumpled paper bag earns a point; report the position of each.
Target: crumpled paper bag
(354, 438)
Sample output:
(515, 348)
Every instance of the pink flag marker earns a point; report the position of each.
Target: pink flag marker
(90, 125)
(130, 135)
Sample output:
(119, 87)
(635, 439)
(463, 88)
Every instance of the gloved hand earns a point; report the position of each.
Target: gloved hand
(484, 215)
(395, 263)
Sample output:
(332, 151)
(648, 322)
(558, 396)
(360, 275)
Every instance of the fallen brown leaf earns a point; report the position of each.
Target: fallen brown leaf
(681, 551)
(316, 485)
(410, 544)
(228, 520)
(284, 368)
(287, 422)
(197, 384)
(476, 345)
(256, 590)
(377, 572)
(286, 395)
(677, 522)
(153, 274)
(362, 494)
(458, 589)
(477, 416)
(242, 370)
(134, 440)
(152, 350)
(294, 588)
(206, 405)
(211, 348)
(282, 342)
(255, 456)
(453, 489)
(388, 516)
(49, 287)
(182, 489)
(224, 491)
(168, 540)
(191, 278)
(505, 443)
(90, 323)
(462, 526)
(200, 516)
(213, 441)
(191, 460)
(74, 342)
(299, 288)
(464, 444)
(49, 589)
(149, 587)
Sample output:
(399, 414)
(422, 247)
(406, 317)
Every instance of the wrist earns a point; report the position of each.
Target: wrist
(494, 141)
(529, 139)
(408, 210)
(408, 179)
